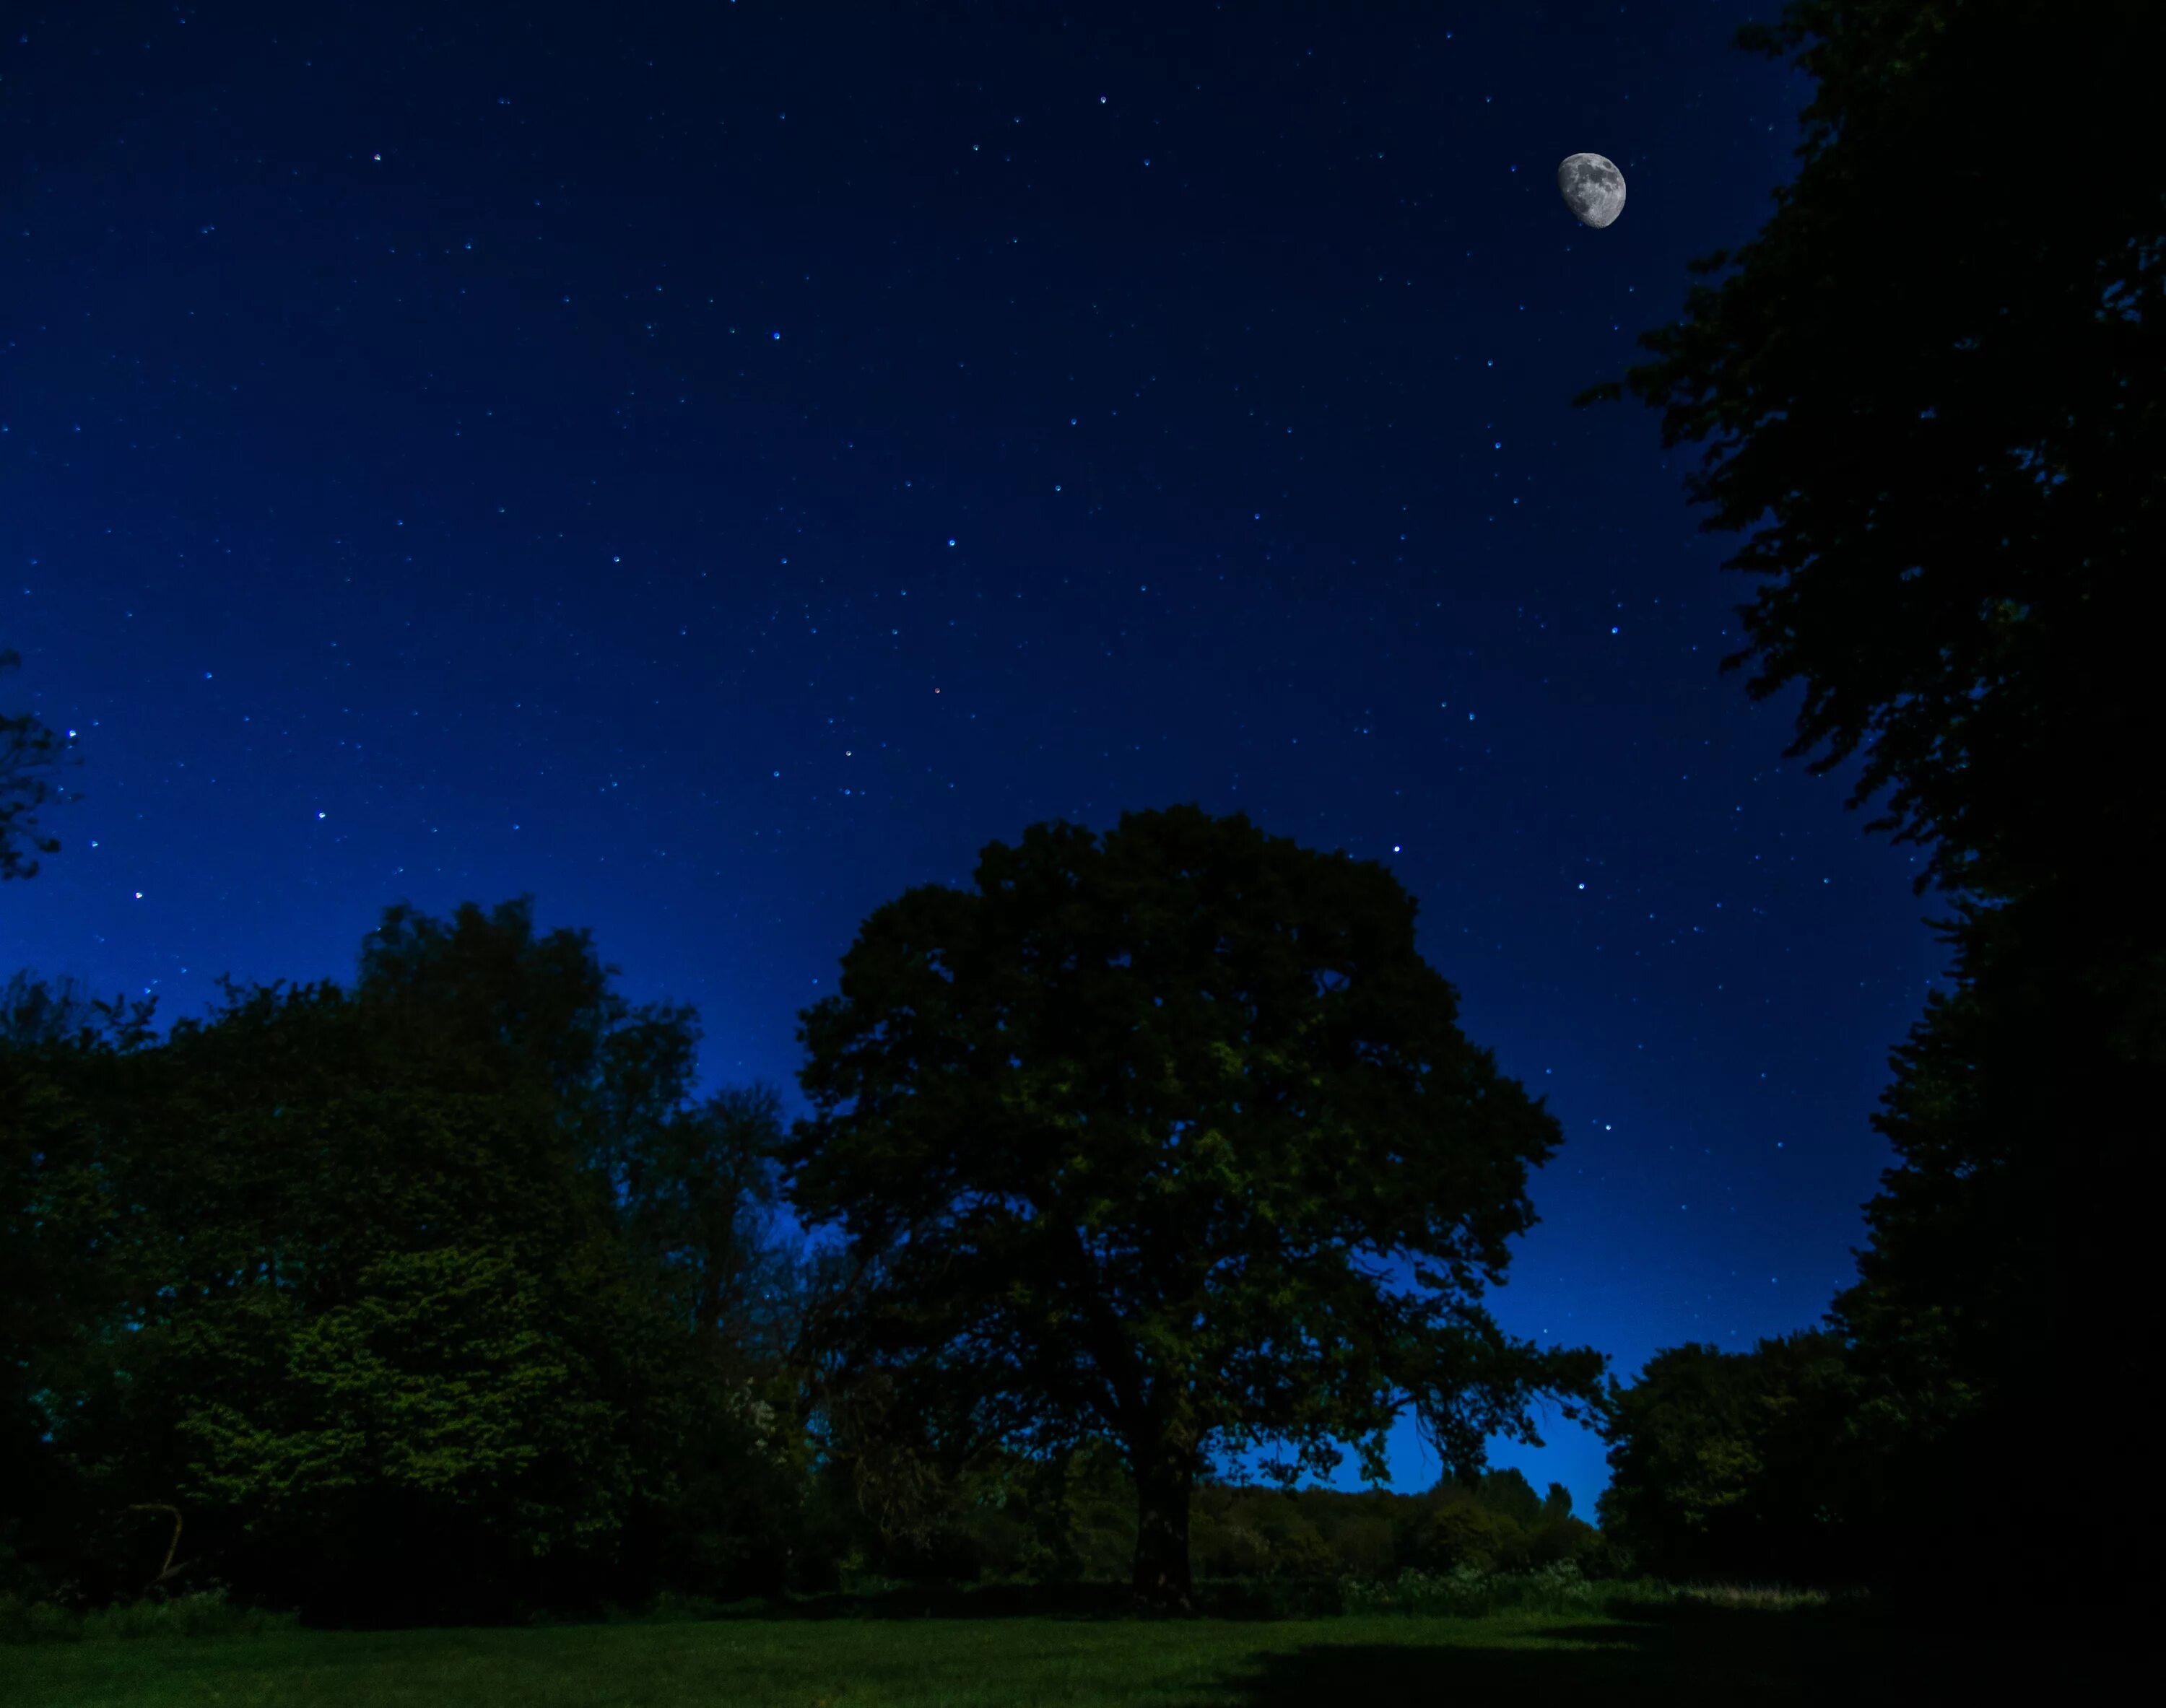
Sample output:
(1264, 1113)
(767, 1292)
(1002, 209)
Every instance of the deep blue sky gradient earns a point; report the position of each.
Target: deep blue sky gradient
(716, 467)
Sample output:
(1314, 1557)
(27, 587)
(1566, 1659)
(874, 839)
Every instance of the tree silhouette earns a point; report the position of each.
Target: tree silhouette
(1728, 1464)
(1936, 369)
(340, 1275)
(26, 747)
(1132, 1131)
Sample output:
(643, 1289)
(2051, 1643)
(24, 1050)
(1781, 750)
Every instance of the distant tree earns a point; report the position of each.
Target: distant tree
(1733, 1464)
(697, 1187)
(1461, 1533)
(485, 983)
(26, 748)
(41, 1018)
(1497, 1523)
(1126, 1127)
(1509, 1494)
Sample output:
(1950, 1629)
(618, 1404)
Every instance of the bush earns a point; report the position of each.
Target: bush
(37, 1622)
(206, 1613)
(1469, 1592)
(1459, 1535)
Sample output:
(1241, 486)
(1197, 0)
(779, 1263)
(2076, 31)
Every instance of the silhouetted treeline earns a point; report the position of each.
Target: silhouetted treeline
(436, 1299)
(1076, 1521)
(433, 1298)
(439, 1299)
(427, 1299)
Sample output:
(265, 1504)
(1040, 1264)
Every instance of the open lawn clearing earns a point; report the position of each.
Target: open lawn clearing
(1518, 1660)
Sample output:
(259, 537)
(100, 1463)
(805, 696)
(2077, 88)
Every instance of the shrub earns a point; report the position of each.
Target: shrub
(23, 1621)
(1469, 1592)
(206, 1613)
(668, 1607)
(1459, 1535)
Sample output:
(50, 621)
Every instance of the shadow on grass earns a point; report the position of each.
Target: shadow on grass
(1689, 1655)
(1619, 1666)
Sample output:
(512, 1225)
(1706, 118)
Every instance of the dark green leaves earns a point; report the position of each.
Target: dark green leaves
(1121, 1138)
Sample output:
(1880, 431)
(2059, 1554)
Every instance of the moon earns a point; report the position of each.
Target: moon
(1591, 187)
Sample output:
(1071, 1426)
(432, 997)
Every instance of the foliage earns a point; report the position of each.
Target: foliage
(201, 1613)
(27, 748)
(1074, 1521)
(2017, 1121)
(1946, 404)
(1941, 399)
(1738, 1465)
(332, 1323)
(438, 1283)
(57, 1273)
(1473, 1592)
(885, 1508)
(1855, 1454)
(1122, 1120)
(343, 1276)
(440, 1401)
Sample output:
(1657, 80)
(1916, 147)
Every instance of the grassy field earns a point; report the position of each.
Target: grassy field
(1737, 1654)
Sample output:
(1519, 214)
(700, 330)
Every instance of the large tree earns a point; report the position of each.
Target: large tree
(1125, 1142)
(27, 748)
(1934, 374)
(1936, 369)
(349, 1286)
(2022, 1133)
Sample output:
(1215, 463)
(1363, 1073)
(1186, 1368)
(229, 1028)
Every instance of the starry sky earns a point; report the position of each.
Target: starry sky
(714, 467)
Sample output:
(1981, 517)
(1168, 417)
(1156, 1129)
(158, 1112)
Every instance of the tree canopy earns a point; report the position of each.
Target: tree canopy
(1124, 1142)
(1935, 368)
(1737, 1465)
(437, 1283)
(1934, 371)
(346, 1276)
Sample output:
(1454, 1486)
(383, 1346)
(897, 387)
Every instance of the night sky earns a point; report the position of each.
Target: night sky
(717, 466)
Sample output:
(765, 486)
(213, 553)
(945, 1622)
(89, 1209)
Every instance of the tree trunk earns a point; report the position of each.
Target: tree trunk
(1161, 1579)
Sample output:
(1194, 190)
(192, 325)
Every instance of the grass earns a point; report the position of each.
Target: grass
(1648, 1646)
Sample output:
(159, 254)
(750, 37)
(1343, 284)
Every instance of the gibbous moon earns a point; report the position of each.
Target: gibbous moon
(1591, 187)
